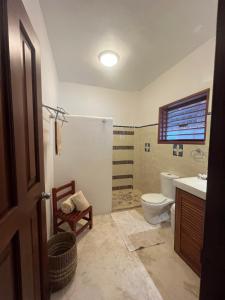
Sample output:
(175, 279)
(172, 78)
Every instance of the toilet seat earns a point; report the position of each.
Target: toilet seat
(155, 199)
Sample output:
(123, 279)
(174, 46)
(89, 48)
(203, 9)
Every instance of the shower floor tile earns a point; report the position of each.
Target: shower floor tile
(124, 199)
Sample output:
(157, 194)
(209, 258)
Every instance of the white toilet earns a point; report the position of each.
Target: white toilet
(156, 206)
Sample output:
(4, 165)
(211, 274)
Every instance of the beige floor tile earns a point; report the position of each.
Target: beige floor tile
(106, 270)
(172, 276)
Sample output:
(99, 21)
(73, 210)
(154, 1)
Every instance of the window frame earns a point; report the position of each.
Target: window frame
(180, 103)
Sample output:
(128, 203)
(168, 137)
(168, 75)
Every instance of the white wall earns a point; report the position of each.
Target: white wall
(193, 74)
(96, 101)
(87, 157)
(49, 92)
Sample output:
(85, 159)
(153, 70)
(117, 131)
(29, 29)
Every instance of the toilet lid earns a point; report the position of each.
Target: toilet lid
(154, 198)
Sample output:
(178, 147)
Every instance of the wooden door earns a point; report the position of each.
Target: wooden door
(23, 258)
(189, 227)
(213, 265)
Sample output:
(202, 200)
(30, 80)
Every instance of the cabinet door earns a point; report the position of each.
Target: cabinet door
(189, 228)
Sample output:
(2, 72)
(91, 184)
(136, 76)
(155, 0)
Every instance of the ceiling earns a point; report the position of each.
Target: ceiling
(150, 36)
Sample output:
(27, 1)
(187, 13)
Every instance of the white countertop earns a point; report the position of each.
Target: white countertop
(192, 185)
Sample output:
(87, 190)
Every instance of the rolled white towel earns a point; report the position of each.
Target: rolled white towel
(68, 205)
(80, 201)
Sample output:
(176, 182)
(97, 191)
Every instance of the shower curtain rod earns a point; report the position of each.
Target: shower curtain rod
(56, 113)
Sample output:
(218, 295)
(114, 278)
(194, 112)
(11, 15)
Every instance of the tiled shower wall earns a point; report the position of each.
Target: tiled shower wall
(152, 158)
(123, 157)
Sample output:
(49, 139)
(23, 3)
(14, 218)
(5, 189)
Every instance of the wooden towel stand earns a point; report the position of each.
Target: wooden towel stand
(73, 218)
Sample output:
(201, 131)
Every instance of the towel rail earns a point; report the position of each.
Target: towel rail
(58, 113)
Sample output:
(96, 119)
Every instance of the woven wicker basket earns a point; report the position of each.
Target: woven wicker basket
(62, 255)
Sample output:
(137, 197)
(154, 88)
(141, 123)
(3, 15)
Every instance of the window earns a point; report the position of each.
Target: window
(184, 121)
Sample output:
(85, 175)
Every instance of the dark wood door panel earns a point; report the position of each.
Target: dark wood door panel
(29, 108)
(29, 248)
(189, 228)
(6, 165)
(10, 285)
(192, 233)
(4, 205)
(191, 201)
(192, 217)
(22, 211)
(25, 82)
(7, 226)
(190, 252)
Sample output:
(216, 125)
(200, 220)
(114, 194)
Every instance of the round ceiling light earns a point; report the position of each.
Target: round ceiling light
(108, 58)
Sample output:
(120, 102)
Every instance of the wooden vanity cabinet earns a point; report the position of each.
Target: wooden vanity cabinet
(189, 227)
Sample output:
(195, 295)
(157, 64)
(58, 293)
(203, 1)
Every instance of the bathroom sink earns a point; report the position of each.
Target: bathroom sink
(192, 185)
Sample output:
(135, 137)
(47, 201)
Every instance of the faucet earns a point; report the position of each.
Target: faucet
(202, 176)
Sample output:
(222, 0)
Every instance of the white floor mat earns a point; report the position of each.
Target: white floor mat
(131, 222)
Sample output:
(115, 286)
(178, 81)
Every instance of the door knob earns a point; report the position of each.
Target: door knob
(45, 196)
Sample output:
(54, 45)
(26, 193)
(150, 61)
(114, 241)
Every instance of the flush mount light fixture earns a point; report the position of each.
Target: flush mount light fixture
(108, 58)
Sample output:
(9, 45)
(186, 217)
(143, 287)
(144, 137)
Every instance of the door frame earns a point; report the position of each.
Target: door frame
(213, 256)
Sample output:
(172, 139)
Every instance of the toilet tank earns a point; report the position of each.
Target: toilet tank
(167, 187)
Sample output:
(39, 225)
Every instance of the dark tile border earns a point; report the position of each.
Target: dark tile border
(123, 162)
(125, 126)
(123, 147)
(123, 132)
(148, 125)
(122, 176)
(122, 187)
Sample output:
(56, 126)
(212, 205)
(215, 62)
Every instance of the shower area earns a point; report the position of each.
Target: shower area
(124, 195)
(86, 158)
